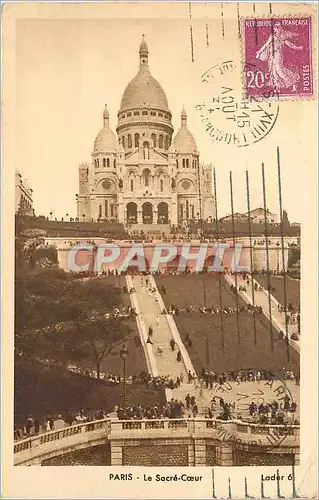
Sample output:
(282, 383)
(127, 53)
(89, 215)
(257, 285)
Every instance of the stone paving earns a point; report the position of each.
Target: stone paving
(150, 310)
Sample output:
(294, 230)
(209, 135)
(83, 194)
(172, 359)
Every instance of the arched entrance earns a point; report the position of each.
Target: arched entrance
(147, 213)
(131, 209)
(162, 213)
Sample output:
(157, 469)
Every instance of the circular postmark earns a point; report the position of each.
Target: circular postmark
(269, 398)
(228, 116)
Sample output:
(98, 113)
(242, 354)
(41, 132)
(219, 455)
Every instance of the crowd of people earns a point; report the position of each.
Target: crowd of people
(33, 425)
(209, 378)
(174, 310)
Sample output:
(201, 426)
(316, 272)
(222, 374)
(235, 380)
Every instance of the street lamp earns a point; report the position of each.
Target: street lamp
(124, 355)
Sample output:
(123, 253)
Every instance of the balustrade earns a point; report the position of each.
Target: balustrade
(164, 426)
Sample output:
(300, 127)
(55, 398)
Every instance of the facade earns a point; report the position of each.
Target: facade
(258, 215)
(142, 174)
(23, 196)
(237, 218)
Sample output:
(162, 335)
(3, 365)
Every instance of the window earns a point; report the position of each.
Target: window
(114, 162)
(153, 113)
(136, 140)
(132, 185)
(100, 211)
(160, 114)
(153, 137)
(106, 209)
(108, 162)
(160, 142)
(112, 210)
(104, 162)
(193, 212)
(166, 142)
(97, 163)
(161, 185)
(136, 113)
(176, 163)
(129, 141)
(146, 151)
(183, 162)
(144, 113)
(129, 114)
(187, 163)
(123, 141)
(123, 116)
(146, 177)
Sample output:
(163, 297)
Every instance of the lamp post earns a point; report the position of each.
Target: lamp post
(124, 356)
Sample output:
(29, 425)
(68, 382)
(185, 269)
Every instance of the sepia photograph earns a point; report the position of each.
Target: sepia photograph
(162, 207)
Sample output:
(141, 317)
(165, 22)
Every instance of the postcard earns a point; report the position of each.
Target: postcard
(159, 228)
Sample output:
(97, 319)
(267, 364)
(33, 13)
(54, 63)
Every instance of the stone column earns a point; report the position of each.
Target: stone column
(172, 210)
(200, 453)
(191, 455)
(120, 208)
(225, 454)
(116, 454)
(139, 215)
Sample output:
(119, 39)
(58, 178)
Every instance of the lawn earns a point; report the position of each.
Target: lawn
(277, 283)
(206, 333)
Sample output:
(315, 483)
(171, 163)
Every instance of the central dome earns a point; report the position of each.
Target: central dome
(144, 90)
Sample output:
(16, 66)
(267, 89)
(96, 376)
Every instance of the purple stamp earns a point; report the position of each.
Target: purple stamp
(278, 57)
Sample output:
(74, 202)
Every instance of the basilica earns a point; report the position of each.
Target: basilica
(142, 174)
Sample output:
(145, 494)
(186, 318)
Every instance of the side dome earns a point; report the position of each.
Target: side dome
(184, 141)
(144, 90)
(106, 140)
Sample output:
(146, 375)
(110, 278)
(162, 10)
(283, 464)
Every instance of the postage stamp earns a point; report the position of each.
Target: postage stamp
(280, 52)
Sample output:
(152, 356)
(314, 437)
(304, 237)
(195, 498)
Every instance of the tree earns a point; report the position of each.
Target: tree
(99, 336)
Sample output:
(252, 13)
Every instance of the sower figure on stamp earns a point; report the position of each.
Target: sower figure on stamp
(280, 77)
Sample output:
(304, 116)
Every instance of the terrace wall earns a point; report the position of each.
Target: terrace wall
(191, 442)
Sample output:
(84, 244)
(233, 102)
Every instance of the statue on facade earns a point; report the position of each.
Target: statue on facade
(173, 183)
(120, 183)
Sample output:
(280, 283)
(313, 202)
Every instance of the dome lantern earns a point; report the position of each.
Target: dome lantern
(143, 52)
(106, 116)
(183, 118)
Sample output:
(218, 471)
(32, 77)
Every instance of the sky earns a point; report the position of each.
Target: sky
(66, 69)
